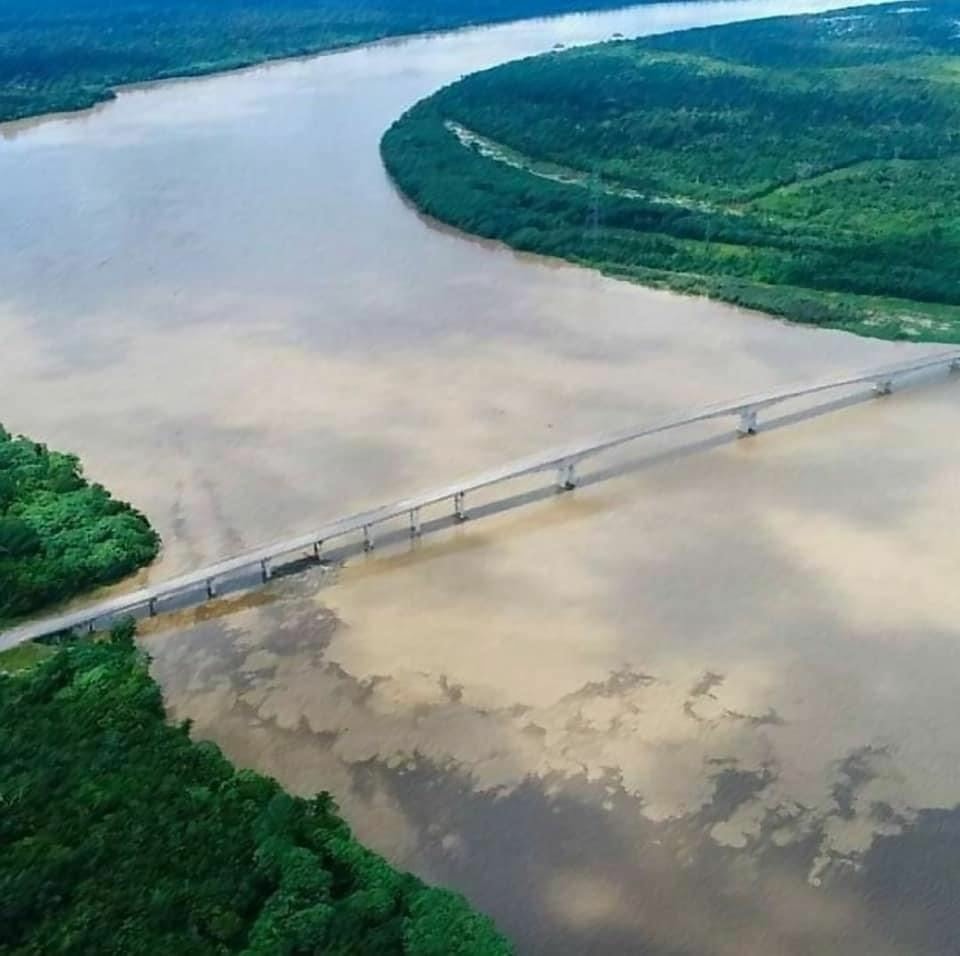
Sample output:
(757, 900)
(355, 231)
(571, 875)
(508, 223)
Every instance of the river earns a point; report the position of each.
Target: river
(706, 706)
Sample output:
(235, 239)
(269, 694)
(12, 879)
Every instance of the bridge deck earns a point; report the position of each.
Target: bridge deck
(562, 458)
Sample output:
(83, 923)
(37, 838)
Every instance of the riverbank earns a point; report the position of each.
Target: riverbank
(672, 162)
(121, 835)
(527, 709)
(175, 39)
(60, 534)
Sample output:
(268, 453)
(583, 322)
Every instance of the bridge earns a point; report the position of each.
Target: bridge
(258, 565)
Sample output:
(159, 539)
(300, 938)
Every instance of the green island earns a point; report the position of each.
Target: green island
(122, 836)
(60, 535)
(807, 167)
(58, 55)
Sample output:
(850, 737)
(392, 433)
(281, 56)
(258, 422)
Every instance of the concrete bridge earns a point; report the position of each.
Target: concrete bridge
(257, 566)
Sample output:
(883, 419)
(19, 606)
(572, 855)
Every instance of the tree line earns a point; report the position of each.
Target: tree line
(807, 166)
(121, 836)
(70, 54)
(60, 535)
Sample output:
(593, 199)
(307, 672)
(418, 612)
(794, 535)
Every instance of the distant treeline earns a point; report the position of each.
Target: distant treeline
(59, 534)
(70, 54)
(807, 166)
(121, 837)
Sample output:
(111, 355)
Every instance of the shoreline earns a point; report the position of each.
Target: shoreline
(292, 349)
(14, 127)
(481, 185)
(664, 287)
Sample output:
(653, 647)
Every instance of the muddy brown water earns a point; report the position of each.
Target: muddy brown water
(706, 705)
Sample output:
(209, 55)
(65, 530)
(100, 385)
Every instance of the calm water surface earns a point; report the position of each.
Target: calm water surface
(706, 706)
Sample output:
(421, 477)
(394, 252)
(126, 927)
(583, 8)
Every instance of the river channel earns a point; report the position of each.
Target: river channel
(706, 705)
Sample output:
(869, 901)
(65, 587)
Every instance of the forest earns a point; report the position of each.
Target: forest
(118, 834)
(805, 166)
(122, 836)
(58, 55)
(60, 535)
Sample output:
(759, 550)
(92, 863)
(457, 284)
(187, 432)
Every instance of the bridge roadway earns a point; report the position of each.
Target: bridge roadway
(203, 583)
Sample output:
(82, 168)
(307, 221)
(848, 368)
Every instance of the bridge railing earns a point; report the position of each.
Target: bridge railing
(564, 460)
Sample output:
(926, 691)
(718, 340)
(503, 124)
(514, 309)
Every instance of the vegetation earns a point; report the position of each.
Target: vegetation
(23, 656)
(117, 833)
(805, 166)
(121, 836)
(59, 534)
(70, 54)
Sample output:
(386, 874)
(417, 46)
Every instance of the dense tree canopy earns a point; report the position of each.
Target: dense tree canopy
(118, 835)
(59, 534)
(807, 166)
(69, 54)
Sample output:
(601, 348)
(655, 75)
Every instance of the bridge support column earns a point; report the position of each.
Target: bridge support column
(152, 607)
(458, 507)
(567, 476)
(211, 588)
(91, 626)
(955, 365)
(265, 570)
(748, 422)
(317, 548)
(415, 528)
(367, 538)
(883, 386)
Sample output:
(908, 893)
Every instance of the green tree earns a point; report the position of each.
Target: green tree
(122, 836)
(60, 535)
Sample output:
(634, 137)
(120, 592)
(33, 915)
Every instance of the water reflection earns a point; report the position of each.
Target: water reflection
(680, 706)
(648, 716)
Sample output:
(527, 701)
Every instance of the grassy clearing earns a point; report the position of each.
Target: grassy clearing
(23, 657)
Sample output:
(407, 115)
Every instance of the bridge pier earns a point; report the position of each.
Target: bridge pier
(748, 422)
(567, 476)
(241, 570)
